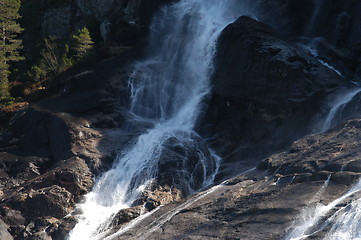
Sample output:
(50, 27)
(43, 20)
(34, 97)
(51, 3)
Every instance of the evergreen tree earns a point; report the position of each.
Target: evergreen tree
(81, 44)
(53, 60)
(10, 45)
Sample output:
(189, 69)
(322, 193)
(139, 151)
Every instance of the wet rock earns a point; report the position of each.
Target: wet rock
(333, 25)
(161, 195)
(60, 230)
(126, 215)
(265, 92)
(185, 164)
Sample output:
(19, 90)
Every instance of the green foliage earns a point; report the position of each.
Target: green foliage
(81, 44)
(4, 85)
(57, 57)
(7, 101)
(54, 60)
(10, 45)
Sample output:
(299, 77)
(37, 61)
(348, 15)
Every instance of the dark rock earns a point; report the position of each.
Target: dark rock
(50, 135)
(345, 177)
(5, 138)
(290, 18)
(72, 174)
(333, 24)
(159, 195)
(12, 217)
(265, 92)
(105, 123)
(320, 155)
(60, 230)
(353, 166)
(117, 21)
(126, 215)
(36, 230)
(264, 165)
(51, 201)
(185, 163)
(59, 17)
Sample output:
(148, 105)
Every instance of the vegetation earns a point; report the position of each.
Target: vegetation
(54, 60)
(82, 44)
(10, 44)
(56, 57)
(30, 59)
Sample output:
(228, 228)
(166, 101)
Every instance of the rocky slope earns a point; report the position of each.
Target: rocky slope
(267, 90)
(55, 147)
(118, 21)
(266, 202)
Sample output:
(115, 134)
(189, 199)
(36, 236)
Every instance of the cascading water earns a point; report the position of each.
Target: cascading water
(166, 89)
(345, 221)
(338, 103)
(315, 17)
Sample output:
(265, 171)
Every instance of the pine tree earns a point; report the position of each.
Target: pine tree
(10, 44)
(81, 44)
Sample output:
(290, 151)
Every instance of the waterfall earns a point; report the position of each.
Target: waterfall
(338, 103)
(166, 89)
(318, 5)
(345, 221)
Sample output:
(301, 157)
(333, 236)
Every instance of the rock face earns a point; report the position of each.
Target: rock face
(266, 203)
(336, 23)
(265, 92)
(117, 21)
(185, 165)
(53, 149)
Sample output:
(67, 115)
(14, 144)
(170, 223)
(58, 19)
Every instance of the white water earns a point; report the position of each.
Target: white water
(310, 218)
(164, 218)
(166, 89)
(338, 102)
(346, 223)
(312, 50)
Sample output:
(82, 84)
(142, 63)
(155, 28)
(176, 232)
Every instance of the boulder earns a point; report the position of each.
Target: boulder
(59, 230)
(50, 201)
(37, 229)
(72, 174)
(49, 136)
(185, 164)
(126, 215)
(265, 92)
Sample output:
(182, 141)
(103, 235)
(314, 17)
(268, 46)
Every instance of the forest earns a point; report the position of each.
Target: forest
(31, 58)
